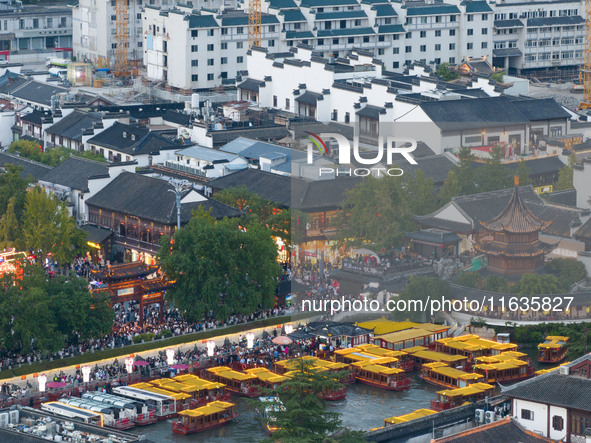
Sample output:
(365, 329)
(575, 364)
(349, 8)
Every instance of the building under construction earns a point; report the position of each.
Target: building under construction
(102, 35)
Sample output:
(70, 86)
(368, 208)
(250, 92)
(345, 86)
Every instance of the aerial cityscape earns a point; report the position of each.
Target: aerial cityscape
(316, 221)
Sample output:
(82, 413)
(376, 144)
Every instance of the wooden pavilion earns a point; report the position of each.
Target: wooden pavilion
(135, 281)
(511, 241)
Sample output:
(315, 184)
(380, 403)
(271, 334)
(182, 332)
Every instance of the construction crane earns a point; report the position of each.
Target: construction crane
(586, 70)
(121, 62)
(254, 23)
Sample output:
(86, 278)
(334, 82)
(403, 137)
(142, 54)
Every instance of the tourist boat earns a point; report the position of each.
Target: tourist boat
(265, 378)
(183, 401)
(345, 375)
(236, 382)
(164, 405)
(439, 374)
(504, 370)
(113, 416)
(424, 356)
(419, 413)
(265, 413)
(212, 415)
(330, 395)
(553, 350)
(356, 355)
(451, 398)
(472, 346)
(372, 374)
(140, 412)
(203, 391)
(405, 362)
(73, 413)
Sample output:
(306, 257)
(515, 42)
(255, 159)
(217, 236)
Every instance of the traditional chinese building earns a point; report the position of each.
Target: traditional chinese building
(511, 241)
(135, 281)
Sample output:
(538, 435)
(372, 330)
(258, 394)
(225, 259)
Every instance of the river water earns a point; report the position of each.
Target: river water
(365, 407)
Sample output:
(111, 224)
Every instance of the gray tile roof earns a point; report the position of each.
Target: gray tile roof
(473, 113)
(37, 92)
(74, 172)
(29, 167)
(554, 389)
(486, 206)
(72, 125)
(345, 32)
(507, 430)
(263, 133)
(148, 198)
(540, 109)
(132, 140)
(207, 154)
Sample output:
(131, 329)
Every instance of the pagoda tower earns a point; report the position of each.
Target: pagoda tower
(511, 241)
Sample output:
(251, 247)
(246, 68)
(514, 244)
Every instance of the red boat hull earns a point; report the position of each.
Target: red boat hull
(389, 388)
(186, 431)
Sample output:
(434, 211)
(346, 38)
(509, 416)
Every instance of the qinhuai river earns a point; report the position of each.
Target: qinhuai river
(364, 408)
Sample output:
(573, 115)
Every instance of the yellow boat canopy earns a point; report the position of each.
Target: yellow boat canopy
(230, 374)
(419, 413)
(439, 356)
(378, 369)
(212, 408)
(554, 342)
(474, 389)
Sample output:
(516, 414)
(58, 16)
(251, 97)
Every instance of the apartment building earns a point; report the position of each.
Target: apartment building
(191, 50)
(95, 26)
(44, 27)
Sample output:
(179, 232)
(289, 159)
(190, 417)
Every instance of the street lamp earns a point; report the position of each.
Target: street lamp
(170, 356)
(210, 348)
(42, 379)
(249, 340)
(179, 187)
(288, 329)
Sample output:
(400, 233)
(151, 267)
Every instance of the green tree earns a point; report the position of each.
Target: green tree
(421, 194)
(225, 267)
(48, 228)
(451, 188)
(537, 284)
(26, 148)
(300, 415)
(462, 178)
(496, 283)
(13, 186)
(377, 211)
(498, 76)
(423, 288)
(494, 175)
(565, 176)
(567, 270)
(470, 279)
(523, 173)
(276, 218)
(9, 226)
(445, 73)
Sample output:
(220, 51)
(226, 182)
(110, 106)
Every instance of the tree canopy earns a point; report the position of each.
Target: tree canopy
(43, 314)
(445, 73)
(380, 210)
(221, 267)
(565, 176)
(51, 156)
(270, 214)
(300, 414)
(47, 227)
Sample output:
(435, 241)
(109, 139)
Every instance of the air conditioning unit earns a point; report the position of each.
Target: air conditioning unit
(14, 416)
(4, 420)
(563, 370)
(479, 415)
(489, 416)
